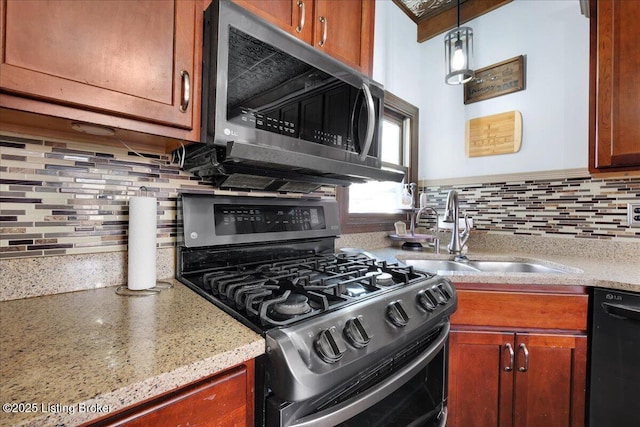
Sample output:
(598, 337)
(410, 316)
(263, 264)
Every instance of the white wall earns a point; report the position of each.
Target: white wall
(552, 34)
(397, 54)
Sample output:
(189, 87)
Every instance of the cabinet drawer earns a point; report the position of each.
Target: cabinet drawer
(521, 310)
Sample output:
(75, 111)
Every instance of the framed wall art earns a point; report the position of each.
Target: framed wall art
(496, 80)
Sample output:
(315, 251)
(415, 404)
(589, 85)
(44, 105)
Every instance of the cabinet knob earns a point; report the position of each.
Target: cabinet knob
(186, 91)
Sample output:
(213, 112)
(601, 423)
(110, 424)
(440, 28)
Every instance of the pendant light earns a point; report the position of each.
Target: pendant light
(458, 54)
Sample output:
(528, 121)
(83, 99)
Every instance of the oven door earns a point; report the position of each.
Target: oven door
(413, 395)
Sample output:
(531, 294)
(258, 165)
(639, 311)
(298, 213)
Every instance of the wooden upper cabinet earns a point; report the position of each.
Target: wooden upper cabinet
(131, 59)
(615, 86)
(293, 16)
(342, 29)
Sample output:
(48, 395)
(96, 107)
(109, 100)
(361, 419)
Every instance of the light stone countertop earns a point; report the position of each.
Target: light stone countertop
(69, 351)
(93, 347)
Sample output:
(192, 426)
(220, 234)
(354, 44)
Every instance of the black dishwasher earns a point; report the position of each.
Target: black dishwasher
(615, 359)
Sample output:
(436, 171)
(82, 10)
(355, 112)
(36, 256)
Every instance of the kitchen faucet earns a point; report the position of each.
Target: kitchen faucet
(451, 214)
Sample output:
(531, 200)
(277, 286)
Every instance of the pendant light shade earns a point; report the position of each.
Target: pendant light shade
(458, 54)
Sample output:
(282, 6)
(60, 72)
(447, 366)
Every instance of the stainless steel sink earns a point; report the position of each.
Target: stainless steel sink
(512, 267)
(437, 266)
(444, 266)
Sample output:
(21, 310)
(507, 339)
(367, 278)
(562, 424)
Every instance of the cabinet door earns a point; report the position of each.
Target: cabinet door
(128, 59)
(344, 30)
(480, 379)
(614, 37)
(550, 380)
(222, 400)
(293, 16)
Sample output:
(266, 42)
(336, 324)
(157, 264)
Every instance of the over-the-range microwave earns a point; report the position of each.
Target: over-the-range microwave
(279, 114)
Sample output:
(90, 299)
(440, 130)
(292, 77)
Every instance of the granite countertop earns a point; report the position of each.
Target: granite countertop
(577, 270)
(70, 356)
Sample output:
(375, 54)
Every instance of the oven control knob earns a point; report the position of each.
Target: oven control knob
(427, 300)
(396, 314)
(328, 347)
(440, 294)
(357, 332)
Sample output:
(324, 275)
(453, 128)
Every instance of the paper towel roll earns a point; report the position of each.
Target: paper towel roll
(142, 243)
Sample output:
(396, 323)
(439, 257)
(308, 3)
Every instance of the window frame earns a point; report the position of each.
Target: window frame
(371, 222)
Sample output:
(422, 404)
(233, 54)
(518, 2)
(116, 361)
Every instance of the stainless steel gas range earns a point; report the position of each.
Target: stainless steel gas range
(350, 340)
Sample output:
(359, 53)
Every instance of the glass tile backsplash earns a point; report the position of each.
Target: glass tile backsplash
(573, 207)
(62, 197)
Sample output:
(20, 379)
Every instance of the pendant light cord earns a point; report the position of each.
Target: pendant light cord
(458, 14)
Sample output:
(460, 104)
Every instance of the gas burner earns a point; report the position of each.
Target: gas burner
(384, 279)
(381, 279)
(294, 305)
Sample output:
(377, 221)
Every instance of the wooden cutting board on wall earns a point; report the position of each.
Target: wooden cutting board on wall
(495, 134)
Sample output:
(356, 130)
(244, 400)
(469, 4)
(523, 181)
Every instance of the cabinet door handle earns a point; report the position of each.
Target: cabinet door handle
(324, 23)
(186, 90)
(302, 15)
(525, 351)
(512, 357)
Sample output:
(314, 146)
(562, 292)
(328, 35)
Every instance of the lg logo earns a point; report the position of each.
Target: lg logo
(229, 132)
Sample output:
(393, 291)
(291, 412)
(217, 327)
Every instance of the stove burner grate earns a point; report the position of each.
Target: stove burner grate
(279, 292)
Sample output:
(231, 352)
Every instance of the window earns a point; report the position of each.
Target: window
(374, 206)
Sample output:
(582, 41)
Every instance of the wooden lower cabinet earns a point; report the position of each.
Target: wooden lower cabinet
(517, 376)
(221, 400)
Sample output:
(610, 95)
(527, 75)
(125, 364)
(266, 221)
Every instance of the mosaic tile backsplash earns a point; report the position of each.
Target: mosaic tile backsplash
(60, 197)
(573, 207)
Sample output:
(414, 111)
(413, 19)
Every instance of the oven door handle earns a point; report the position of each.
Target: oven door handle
(361, 402)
